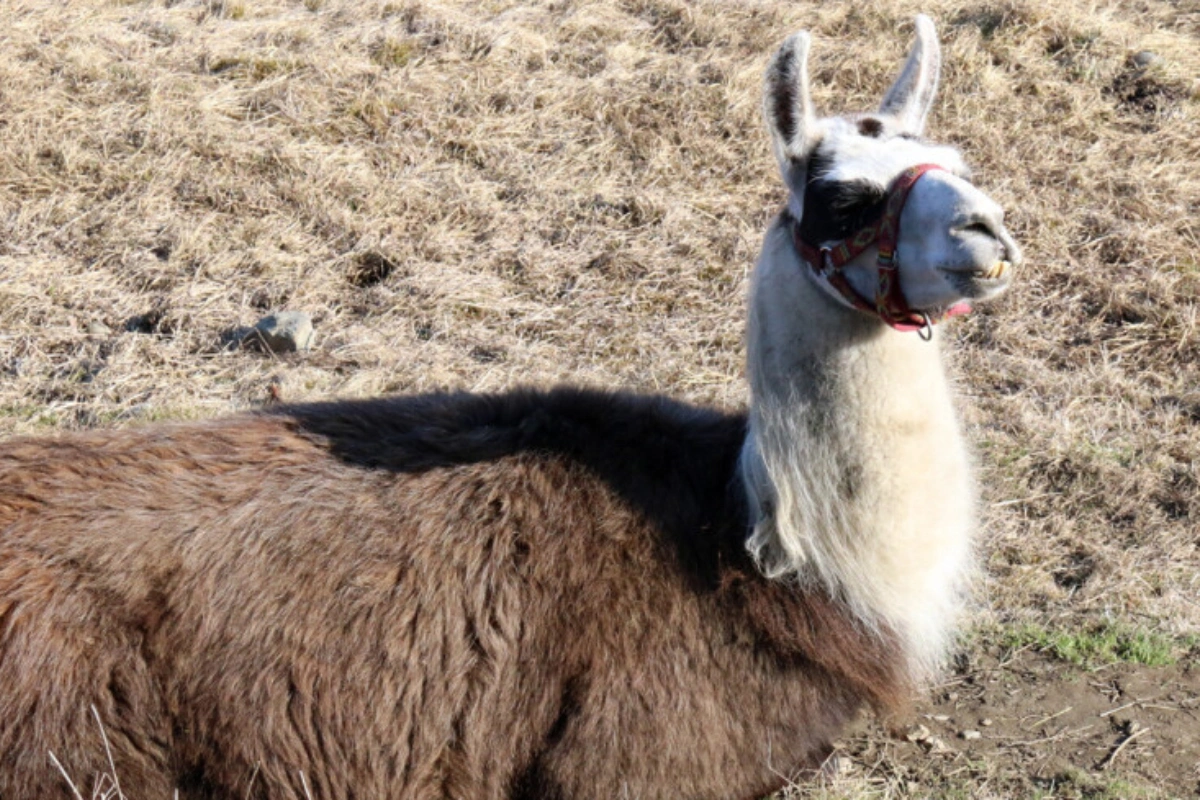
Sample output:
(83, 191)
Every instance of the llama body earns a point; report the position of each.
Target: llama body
(561, 594)
(428, 597)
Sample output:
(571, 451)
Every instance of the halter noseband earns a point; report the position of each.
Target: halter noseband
(890, 305)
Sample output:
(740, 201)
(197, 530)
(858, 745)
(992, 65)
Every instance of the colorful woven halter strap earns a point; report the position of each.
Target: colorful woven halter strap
(889, 302)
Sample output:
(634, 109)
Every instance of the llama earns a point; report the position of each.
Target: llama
(540, 594)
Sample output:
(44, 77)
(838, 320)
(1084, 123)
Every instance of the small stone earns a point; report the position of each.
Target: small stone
(98, 328)
(1145, 59)
(284, 332)
(917, 733)
(952, 697)
(986, 722)
(968, 735)
(936, 745)
(837, 767)
(138, 411)
(940, 718)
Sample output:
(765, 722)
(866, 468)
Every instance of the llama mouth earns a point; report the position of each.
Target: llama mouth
(980, 284)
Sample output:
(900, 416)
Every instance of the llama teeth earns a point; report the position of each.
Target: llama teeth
(998, 269)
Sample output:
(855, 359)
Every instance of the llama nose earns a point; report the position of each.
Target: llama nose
(990, 223)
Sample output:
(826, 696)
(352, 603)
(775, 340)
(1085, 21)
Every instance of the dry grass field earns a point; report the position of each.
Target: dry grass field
(495, 193)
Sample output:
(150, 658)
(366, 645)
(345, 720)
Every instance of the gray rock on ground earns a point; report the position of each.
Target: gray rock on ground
(283, 332)
(1146, 59)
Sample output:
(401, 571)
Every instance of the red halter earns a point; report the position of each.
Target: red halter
(890, 305)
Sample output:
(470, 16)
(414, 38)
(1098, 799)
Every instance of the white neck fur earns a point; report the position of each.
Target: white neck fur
(857, 475)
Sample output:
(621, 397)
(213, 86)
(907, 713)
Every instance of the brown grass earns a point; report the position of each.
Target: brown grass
(495, 193)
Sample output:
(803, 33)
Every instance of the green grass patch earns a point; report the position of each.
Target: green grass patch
(393, 52)
(1075, 784)
(253, 68)
(1109, 643)
(227, 9)
(30, 413)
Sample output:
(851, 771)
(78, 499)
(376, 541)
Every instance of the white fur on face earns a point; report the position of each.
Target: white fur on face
(879, 160)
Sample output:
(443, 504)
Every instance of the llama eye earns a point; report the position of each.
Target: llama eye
(857, 198)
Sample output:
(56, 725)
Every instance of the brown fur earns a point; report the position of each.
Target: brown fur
(533, 595)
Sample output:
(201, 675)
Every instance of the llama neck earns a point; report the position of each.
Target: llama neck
(856, 472)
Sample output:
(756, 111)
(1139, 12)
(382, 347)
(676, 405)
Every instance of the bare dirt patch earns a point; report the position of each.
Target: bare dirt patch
(1024, 724)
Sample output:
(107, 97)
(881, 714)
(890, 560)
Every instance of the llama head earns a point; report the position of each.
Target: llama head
(949, 240)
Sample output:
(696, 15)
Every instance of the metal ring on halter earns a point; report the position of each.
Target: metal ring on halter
(926, 331)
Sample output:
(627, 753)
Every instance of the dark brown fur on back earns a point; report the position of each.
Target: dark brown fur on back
(531, 595)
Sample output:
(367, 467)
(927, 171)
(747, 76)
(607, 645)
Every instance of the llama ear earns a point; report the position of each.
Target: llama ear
(788, 108)
(912, 94)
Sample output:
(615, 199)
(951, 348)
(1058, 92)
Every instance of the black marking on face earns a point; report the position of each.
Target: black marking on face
(869, 126)
(783, 94)
(834, 210)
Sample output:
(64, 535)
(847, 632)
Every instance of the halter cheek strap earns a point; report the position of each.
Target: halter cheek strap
(889, 304)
